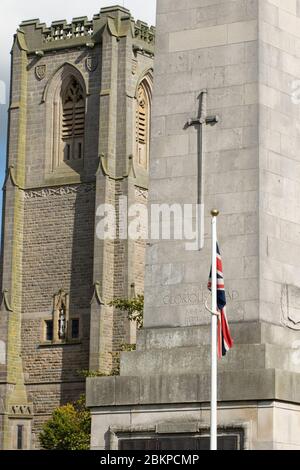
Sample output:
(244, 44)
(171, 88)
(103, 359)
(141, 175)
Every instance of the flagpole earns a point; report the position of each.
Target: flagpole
(214, 328)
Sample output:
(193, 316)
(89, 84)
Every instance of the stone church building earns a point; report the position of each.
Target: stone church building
(225, 123)
(79, 125)
(238, 151)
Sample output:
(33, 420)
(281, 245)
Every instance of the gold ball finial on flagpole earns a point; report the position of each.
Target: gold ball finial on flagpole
(215, 213)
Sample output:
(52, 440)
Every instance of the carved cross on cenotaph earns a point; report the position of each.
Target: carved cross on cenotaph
(202, 120)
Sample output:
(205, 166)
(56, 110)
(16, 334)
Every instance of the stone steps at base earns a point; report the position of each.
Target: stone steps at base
(246, 385)
(242, 332)
(193, 360)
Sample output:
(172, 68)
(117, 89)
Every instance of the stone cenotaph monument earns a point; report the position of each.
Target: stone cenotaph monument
(235, 65)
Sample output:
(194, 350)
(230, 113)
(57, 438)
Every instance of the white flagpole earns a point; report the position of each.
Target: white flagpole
(214, 328)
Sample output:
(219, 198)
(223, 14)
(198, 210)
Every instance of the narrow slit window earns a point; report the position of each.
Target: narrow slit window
(49, 330)
(68, 152)
(20, 431)
(79, 150)
(75, 328)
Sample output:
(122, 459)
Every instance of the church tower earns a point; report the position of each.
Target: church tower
(243, 57)
(79, 125)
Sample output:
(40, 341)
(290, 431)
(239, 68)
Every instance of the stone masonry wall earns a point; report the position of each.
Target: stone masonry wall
(141, 196)
(38, 113)
(58, 254)
(46, 398)
(58, 248)
(213, 47)
(57, 242)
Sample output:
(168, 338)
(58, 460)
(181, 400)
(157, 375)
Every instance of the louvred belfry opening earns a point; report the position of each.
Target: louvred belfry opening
(73, 121)
(142, 117)
(142, 124)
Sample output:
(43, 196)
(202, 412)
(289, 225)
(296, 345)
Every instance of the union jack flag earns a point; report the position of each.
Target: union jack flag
(225, 341)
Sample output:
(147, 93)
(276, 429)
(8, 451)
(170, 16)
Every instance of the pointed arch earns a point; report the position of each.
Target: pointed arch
(65, 99)
(146, 77)
(72, 119)
(143, 97)
(65, 69)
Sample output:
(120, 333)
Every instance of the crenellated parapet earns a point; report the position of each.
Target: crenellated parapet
(82, 31)
(145, 33)
(61, 30)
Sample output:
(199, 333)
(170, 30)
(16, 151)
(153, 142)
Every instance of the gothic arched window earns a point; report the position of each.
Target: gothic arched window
(73, 121)
(65, 96)
(143, 111)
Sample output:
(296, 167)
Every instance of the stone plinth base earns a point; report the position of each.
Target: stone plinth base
(259, 406)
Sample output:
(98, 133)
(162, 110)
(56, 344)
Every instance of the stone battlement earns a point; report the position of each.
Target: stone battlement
(63, 34)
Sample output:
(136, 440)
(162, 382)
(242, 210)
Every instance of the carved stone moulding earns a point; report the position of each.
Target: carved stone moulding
(5, 303)
(91, 63)
(134, 67)
(97, 295)
(59, 191)
(40, 71)
(21, 410)
(140, 192)
(290, 306)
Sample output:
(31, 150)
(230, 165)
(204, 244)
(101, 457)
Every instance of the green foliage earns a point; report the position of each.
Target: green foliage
(117, 357)
(116, 370)
(135, 312)
(68, 429)
(70, 425)
(134, 308)
(128, 347)
(92, 373)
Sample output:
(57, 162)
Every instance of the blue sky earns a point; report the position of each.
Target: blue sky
(16, 11)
